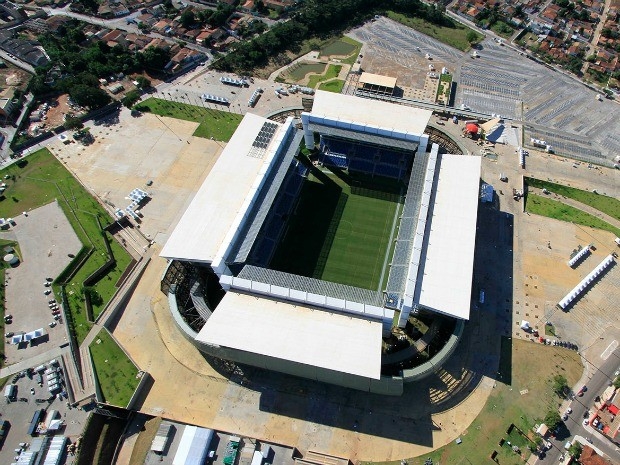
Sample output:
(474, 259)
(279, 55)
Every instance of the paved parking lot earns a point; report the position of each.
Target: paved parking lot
(279, 455)
(20, 412)
(45, 239)
(398, 51)
(189, 88)
(504, 82)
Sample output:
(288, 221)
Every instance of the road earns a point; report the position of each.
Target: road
(597, 383)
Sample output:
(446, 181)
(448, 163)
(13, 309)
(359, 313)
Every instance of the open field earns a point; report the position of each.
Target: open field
(217, 124)
(337, 233)
(36, 181)
(338, 48)
(454, 36)
(343, 47)
(553, 209)
(523, 367)
(116, 374)
(335, 85)
(603, 203)
(331, 73)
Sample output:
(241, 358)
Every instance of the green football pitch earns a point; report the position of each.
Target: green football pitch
(340, 232)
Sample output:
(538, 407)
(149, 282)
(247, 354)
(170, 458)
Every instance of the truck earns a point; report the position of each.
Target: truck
(10, 392)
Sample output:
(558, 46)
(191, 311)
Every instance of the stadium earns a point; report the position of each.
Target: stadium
(338, 247)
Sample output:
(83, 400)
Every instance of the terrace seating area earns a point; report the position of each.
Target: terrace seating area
(379, 161)
(276, 220)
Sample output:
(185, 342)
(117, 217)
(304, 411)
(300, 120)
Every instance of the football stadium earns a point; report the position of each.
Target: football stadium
(337, 247)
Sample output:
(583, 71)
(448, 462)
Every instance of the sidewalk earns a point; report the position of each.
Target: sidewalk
(40, 359)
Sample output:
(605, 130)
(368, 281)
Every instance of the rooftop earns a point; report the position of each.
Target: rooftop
(449, 254)
(215, 207)
(377, 80)
(369, 112)
(297, 333)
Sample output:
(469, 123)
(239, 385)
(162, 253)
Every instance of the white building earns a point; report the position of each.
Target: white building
(296, 324)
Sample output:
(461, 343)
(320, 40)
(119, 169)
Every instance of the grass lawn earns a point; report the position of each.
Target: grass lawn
(608, 205)
(331, 73)
(454, 36)
(334, 85)
(38, 180)
(531, 367)
(116, 374)
(550, 330)
(218, 124)
(553, 209)
(337, 233)
(298, 73)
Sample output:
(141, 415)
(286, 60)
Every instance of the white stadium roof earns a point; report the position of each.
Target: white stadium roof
(223, 197)
(448, 267)
(296, 333)
(370, 112)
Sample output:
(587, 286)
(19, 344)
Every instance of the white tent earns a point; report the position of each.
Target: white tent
(55, 424)
(194, 446)
(17, 339)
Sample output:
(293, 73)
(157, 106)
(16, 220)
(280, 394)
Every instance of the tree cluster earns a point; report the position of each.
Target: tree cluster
(320, 18)
(83, 65)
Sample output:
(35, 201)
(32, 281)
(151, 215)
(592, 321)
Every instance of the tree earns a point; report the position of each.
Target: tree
(188, 18)
(472, 37)
(552, 419)
(560, 385)
(73, 123)
(130, 98)
(143, 83)
(91, 97)
(617, 383)
(575, 450)
(154, 58)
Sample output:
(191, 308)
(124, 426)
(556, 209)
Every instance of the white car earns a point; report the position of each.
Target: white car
(586, 422)
(569, 410)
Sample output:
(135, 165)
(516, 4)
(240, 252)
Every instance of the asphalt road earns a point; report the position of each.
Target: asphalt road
(574, 425)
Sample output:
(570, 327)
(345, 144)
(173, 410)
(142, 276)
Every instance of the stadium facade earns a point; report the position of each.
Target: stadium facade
(231, 304)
